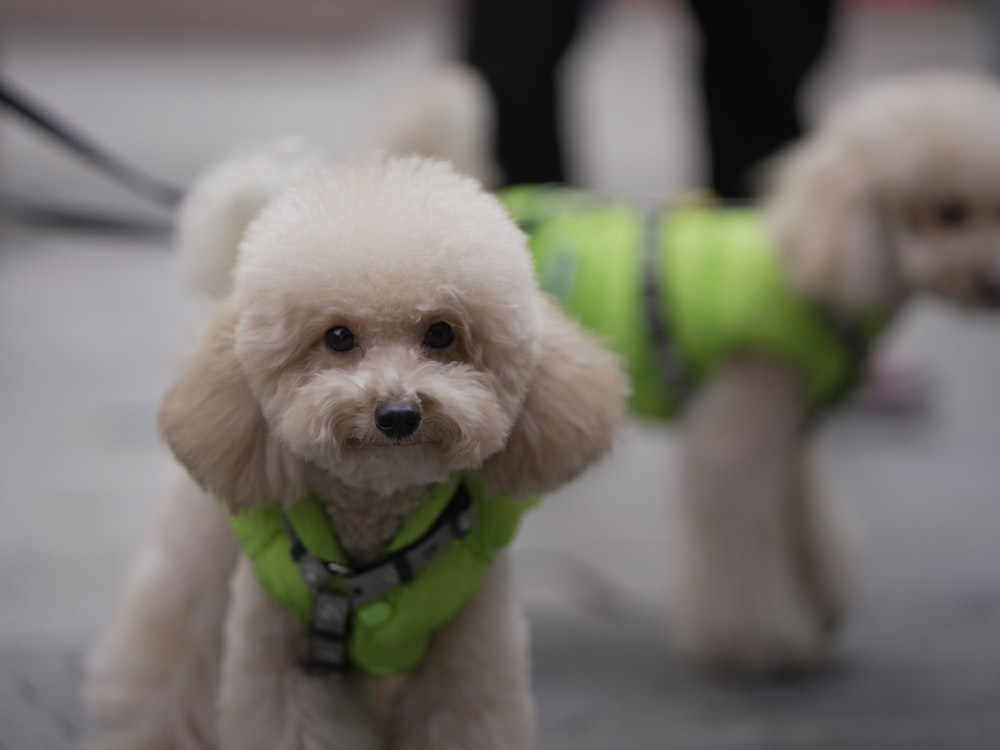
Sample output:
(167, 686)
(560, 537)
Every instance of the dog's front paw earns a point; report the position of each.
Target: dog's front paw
(763, 632)
(437, 720)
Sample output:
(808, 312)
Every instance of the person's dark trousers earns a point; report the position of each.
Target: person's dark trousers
(755, 58)
(517, 46)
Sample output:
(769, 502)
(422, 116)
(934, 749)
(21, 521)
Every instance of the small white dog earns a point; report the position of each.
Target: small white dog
(756, 321)
(368, 410)
(896, 194)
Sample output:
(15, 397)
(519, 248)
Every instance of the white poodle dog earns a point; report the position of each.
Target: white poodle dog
(753, 322)
(373, 405)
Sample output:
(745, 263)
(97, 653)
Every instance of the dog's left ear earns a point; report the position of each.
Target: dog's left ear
(571, 416)
(830, 227)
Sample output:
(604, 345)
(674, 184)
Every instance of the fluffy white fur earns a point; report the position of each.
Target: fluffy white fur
(198, 656)
(449, 112)
(897, 193)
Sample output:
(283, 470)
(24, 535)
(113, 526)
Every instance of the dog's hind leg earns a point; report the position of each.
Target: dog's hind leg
(473, 689)
(821, 548)
(755, 590)
(152, 680)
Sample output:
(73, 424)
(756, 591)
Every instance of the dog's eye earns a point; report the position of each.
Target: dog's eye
(951, 213)
(339, 339)
(439, 336)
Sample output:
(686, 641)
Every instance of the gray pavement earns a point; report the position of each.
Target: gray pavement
(92, 326)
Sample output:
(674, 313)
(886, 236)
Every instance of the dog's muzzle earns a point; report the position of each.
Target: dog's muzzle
(397, 419)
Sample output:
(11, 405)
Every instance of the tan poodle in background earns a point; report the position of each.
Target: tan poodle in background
(896, 194)
(385, 334)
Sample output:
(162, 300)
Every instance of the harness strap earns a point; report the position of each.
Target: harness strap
(674, 370)
(855, 335)
(326, 646)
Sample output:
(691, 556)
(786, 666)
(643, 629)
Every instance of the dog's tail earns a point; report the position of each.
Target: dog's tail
(223, 201)
(447, 113)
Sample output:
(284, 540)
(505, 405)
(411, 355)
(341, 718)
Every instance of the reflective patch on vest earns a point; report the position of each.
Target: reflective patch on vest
(560, 271)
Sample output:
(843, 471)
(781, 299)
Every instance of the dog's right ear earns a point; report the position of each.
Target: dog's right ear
(215, 428)
(571, 416)
(829, 227)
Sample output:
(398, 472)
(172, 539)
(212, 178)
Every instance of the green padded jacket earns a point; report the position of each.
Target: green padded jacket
(390, 634)
(721, 286)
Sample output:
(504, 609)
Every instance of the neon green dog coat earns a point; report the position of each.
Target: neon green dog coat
(390, 634)
(722, 289)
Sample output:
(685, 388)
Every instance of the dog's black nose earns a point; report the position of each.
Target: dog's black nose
(397, 419)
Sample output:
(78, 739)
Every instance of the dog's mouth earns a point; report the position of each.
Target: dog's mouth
(388, 444)
(402, 444)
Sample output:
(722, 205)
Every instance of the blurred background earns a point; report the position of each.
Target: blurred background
(93, 321)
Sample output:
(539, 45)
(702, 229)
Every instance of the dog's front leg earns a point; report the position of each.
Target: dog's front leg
(267, 700)
(152, 681)
(759, 579)
(473, 689)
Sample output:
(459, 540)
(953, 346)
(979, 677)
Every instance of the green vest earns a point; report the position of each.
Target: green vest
(390, 634)
(722, 290)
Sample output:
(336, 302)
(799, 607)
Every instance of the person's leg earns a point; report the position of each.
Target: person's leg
(517, 46)
(755, 57)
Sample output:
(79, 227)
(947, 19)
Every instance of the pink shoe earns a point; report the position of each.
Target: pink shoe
(894, 388)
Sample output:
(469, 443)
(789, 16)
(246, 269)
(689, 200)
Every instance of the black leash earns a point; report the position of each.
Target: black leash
(156, 190)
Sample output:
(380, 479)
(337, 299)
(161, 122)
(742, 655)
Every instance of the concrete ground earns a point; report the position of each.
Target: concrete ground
(92, 325)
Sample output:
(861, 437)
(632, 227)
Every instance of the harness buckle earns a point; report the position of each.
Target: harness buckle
(338, 570)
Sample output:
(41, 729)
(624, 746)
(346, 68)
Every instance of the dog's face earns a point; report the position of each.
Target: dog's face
(949, 245)
(939, 176)
(386, 329)
(388, 322)
(899, 192)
